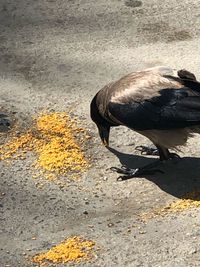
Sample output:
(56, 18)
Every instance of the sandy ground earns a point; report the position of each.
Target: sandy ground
(58, 53)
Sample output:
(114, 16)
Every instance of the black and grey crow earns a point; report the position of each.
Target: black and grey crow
(159, 103)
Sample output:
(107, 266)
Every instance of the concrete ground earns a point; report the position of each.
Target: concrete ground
(58, 53)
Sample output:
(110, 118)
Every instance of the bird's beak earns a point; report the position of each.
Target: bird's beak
(104, 135)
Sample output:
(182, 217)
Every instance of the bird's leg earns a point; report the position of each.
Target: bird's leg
(129, 173)
(165, 154)
(148, 150)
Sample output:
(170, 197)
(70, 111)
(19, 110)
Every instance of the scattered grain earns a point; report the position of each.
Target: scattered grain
(188, 201)
(55, 139)
(74, 249)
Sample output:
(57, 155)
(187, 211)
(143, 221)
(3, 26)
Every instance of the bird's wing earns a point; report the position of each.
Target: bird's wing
(172, 108)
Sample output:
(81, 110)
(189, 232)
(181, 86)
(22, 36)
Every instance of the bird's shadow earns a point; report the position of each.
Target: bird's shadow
(178, 179)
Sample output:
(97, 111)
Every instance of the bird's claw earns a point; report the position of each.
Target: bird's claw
(123, 170)
(145, 150)
(174, 156)
(131, 173)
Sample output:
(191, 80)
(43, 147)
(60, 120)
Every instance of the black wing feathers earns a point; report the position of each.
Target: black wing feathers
(174, 108)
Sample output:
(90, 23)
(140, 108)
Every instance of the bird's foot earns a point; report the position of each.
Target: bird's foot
(174, 158)
(130, 173)
(147, 150)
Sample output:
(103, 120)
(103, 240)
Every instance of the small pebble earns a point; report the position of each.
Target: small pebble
(110, 224)
(193, 251)
(142, 232)
(85, 212)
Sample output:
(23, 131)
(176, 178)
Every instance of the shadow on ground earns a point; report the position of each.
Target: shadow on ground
(178, 178)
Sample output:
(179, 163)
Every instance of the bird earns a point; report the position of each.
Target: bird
(160, 103)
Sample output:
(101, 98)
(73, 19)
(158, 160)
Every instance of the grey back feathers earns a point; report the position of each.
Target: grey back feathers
(136, 86)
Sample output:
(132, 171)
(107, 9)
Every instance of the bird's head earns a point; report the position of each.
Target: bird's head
(102, 124)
